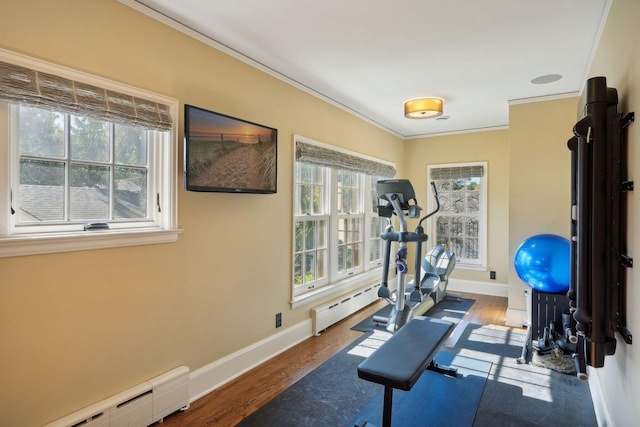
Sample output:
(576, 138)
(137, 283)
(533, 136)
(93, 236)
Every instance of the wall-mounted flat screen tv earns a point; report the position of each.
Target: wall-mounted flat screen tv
(226, 154)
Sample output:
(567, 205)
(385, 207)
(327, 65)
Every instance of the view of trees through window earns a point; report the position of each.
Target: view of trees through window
(336, 226)
(75, 168)
(458, 230)
(459, 223)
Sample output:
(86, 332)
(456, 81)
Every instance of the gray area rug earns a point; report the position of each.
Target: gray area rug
(514, 395)
(523, 395)
(428, 403)
(451, 308)
(331, 395)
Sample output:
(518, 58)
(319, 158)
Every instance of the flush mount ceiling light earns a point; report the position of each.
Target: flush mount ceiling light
(546, 79)
(423, 108)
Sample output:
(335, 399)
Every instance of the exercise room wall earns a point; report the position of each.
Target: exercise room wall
(78, 327)
(539, 179)
(491, 147)
(618, 59)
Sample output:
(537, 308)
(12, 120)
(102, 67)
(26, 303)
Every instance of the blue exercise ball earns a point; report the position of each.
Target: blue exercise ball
(542, 262)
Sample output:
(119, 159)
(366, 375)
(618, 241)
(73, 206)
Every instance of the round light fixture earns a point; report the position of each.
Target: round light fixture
(546, 79)
(423, 108)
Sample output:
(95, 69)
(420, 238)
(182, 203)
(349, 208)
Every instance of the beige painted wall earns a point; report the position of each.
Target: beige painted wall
(540, 176)
(492, 147)
(618, 59)
(78, 327)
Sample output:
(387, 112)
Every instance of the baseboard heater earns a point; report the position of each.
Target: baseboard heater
(140, 406)
(329, 313)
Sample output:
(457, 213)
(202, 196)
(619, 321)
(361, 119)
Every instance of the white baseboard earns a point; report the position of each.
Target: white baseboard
(603, 417)
(516, 318)
(483, 288)
(212, 376)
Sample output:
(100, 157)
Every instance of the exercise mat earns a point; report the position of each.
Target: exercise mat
(332, 394)
(451, 308)
(436, 399)
(520, 394)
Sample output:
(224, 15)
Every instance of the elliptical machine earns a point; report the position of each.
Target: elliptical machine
(431, 274)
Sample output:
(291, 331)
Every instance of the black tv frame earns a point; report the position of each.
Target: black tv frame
(226, 154)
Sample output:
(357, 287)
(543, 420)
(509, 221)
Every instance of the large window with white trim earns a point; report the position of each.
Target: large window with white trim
(461, 223)
(82, 160)
(336, 225)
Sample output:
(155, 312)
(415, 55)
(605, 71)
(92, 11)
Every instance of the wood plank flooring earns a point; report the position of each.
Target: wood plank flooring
(231, 403)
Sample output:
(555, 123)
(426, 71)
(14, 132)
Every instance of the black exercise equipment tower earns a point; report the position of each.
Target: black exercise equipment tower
(597, 292)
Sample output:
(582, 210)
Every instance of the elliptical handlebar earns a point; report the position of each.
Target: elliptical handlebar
(435, 195)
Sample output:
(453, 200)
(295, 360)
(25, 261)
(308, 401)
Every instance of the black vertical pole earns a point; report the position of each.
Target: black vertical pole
(582, 315)
(387, 406)
(572, 144)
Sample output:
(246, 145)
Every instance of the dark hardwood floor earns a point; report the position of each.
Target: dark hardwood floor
(234, 401)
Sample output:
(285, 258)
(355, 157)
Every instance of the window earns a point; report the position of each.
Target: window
(460, 224)
(336, 225)
(84, 162)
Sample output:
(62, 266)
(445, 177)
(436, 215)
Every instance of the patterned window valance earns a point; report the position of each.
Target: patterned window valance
(38, 89)
(457, 172)
(317, 155)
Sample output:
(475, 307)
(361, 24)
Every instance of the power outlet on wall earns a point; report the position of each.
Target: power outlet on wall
(278, 320)
(492, 275)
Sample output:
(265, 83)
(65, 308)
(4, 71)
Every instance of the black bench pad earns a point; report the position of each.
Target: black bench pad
(399, 362)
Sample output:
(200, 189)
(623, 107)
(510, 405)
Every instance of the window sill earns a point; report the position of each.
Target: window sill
(53, 243)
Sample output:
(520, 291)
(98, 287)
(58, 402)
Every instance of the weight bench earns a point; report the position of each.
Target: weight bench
(401, 360)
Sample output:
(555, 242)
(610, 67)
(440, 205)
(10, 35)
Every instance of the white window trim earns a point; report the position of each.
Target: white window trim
(372, 271)
(481, 265)
(36, 243)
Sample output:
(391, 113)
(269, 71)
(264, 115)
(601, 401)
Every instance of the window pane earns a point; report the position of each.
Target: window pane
(305, 200)
(356, 249)
(89, 139)
(299, 236)
(458, 205)
(310, 235)
(309, 267)
(41, 132)
(322, 234)
(130, 193)
(375, 229)
(342, 231)
(321, 270)
(318, 199)
(297, 270)
(130, 145)
(317, 175)
(471, 248)
(310, 190)
(473, 201)
(41, 191)
(349, 257)
(304, 173)
(349, 188)
(89, 192)
(355, 230)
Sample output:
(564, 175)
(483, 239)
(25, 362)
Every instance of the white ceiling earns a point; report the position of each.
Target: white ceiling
(369, 56)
